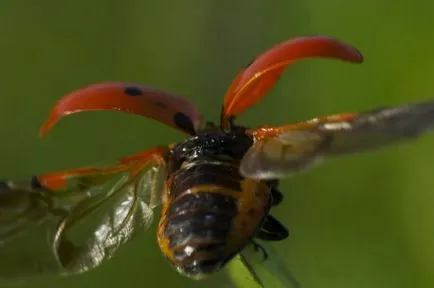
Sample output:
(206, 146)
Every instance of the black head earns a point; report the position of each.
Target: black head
(211, 142)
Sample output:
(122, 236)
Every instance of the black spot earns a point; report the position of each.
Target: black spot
(251, 212)
(159, 104)
(133, 91)
(184, 122)
(243, 224)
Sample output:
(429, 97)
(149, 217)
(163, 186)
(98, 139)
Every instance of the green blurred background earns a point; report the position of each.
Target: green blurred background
(362, 221)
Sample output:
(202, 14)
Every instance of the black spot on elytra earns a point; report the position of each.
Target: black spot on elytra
(184, 122)
(251, 212)
(133, 91)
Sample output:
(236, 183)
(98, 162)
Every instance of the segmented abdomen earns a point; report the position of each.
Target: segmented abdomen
(195, 224)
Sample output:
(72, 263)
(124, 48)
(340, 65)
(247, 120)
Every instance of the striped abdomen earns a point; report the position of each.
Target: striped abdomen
(210, 213)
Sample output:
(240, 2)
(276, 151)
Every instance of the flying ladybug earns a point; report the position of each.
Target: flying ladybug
(215, 188)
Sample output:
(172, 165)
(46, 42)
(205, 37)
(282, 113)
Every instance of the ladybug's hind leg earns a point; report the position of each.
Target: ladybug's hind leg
(272, 230)
(276, 195)
(258, 248)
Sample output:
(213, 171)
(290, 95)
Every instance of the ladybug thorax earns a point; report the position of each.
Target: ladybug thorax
(215, 144)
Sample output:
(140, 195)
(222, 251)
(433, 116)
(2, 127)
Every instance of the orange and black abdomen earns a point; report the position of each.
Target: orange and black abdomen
(197, 222)
(209, 211)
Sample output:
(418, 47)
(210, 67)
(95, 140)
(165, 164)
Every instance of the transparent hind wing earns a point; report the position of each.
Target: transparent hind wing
(71, 221)
(283, 151)
(24, 217)
(94, 230)
(19, 210)
(258, 265)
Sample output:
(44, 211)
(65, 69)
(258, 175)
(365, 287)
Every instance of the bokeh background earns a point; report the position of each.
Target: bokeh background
(361, 221)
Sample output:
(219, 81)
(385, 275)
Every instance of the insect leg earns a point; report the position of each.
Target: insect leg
(272, 230)
(276, 195)
(258, 247)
